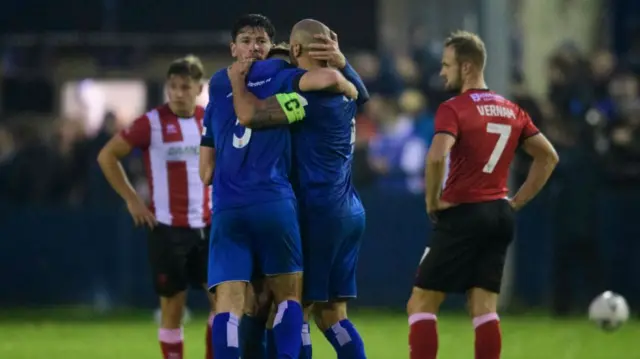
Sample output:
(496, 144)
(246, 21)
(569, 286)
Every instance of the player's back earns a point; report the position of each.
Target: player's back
(251, 166)
(488, 129)
(323, 155)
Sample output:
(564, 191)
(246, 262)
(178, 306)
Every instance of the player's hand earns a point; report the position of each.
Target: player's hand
(328, 50)
(240, 69)
(350, 91)
(141, 214)
(435, 208)
(514, 205)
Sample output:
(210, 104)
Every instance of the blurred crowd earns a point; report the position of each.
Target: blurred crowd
(591, 113)
(54, 162)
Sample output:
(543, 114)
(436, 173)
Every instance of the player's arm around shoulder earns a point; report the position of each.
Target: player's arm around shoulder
(327, 79)
(289, 107)
(328, 49)
(280, 109)
(251, 111)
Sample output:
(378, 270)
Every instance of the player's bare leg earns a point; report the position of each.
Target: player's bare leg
(422, 308)
(327, 314)
(229, 308)
(483, 308)
(170, 333)
(306, 352)
(212, 312)
(287, 325)
(424, 301)
(331, 318)
(307, 310)
(253, 324)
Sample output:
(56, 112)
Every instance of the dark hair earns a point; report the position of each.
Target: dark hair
(253, 21)
(189, 66)
(468, 47)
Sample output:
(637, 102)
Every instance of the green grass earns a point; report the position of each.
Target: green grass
(73, 336)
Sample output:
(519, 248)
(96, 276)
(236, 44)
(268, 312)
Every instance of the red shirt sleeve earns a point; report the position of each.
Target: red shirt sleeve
(529, 129)
(138, 134)
(446, 120)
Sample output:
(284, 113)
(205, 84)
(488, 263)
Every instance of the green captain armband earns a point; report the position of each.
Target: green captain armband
(292, 105)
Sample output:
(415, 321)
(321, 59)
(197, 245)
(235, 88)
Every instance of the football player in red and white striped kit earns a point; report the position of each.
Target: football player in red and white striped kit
(179, 214)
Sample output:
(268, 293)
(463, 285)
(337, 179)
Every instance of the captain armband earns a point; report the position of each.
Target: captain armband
(293, 106)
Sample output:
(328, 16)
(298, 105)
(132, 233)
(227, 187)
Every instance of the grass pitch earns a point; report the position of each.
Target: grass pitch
(35, 335)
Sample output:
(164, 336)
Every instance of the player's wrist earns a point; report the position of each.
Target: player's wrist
(131, 198)
(516, 204)
(237, 79)
(431, 203)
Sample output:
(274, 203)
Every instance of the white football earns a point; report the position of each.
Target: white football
(609, 311)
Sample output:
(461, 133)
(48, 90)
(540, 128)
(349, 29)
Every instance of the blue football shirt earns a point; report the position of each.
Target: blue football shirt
(323, 144)
(252, 166)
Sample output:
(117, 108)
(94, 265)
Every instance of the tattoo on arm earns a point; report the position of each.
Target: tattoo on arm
(269, 113)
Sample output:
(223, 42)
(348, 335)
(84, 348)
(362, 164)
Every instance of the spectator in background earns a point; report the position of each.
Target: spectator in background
(522, 97)
(623, 175)
(100, 193)
(624, 94)
(603, 64)
(7, 152)
(576, 182)
(363, 174)
(7, 149)
(413, 104)
(408, 71)
(73, 163)
(378, 73)
(427, 54)
(107, 129)
(397, 152)
(27, 173)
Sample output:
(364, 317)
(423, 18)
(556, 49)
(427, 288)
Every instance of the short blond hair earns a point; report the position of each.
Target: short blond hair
(469, 47)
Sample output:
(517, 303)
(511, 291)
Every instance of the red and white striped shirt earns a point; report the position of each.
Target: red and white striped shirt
(171, 149)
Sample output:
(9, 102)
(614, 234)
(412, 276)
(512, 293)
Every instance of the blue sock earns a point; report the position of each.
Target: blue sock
(252, 338)
(345, 340)
(272, 352)
(305, 352)
(225, 336)
(287, 329)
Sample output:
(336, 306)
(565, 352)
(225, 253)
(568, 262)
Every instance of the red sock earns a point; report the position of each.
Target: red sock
(488, 337)
(171, 343)
(423, 336)
(209, 339)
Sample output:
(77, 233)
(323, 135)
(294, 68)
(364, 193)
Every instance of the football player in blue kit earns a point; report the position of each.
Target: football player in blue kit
(331, 214)
(252, 36)
(254, 209)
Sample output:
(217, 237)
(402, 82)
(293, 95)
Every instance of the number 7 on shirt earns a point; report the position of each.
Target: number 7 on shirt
(504, 131)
